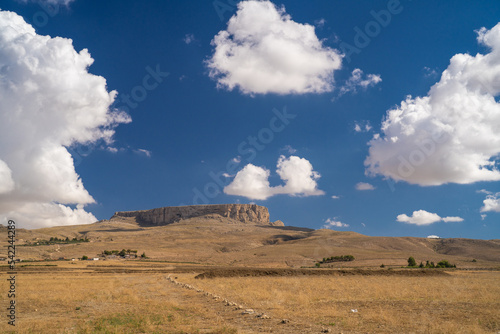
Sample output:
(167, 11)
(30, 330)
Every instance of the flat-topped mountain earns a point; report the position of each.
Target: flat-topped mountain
(245, 213)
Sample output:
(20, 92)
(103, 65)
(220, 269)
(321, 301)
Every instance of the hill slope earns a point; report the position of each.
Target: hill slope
(217, 240)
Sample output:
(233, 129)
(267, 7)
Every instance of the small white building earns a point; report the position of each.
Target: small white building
(95, 259)
(433, 237)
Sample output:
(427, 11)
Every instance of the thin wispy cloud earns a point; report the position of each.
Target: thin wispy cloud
(50, 2)
(189, 38)
(333, 223)
(358, 80)
(144, 152)
(363, 126)
(289, 149)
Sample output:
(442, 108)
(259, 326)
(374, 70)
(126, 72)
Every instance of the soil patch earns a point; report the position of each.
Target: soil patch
(254, 272)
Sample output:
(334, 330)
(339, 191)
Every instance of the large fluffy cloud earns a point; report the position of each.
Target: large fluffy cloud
(264, 51)
(452, 135)
(48, 101)
(297, 173)
(422, 217)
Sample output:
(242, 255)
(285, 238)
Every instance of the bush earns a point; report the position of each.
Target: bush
(445, 264)
(412, 262)
(340, 258)
(85, 257)
(382, 266)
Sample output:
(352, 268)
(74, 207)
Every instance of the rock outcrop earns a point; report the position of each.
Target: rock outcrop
(245, 213)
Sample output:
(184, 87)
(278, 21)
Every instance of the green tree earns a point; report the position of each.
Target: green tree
(143, 255)
(85, 257)
(412, 262)
(445, 264)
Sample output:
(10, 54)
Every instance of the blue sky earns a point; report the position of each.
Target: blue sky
(290, 95)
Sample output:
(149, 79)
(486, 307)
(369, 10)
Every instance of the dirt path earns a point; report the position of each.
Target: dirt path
(230, 314)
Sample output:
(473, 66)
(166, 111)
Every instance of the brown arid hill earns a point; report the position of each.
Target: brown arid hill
(245, 213)
(215, 239)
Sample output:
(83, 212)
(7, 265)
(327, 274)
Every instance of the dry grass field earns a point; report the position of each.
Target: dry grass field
(463, 302)
(267, 269)
(77, 301)
(80, 298)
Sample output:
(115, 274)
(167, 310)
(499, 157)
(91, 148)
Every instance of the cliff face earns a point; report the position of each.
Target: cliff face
(245, 213)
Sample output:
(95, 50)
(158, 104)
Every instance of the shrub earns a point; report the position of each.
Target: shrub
(445, 264)
(382, 266)
(412, 262)
(85, 257)
(337, 258)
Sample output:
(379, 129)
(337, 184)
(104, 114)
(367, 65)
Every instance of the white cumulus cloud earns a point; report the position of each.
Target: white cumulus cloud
(452, 135)
(333, 222)
(6, 181)
(297, 173)
(364, 186)
(422, 217)
(264, 51)
(48, 101)
(491, 203)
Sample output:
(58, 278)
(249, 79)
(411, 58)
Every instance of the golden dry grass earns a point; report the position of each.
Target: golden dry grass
(464, 302)
(61, 302)
(91, 302)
